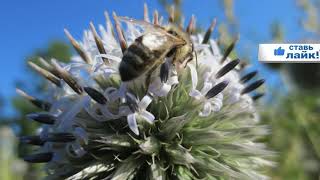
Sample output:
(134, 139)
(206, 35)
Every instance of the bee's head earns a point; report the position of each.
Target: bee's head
(177, 31)
(184, 53)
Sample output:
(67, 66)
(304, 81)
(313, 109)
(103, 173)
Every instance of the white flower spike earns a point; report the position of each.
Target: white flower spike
(193, 114)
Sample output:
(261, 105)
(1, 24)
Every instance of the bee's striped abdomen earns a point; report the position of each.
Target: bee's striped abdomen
(135, 61)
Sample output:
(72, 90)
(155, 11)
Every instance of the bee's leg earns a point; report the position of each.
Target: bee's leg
(164, 72)
(148, 77)
(190, 58)
(186, 62)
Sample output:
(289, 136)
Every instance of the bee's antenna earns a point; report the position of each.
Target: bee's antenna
(196, 55)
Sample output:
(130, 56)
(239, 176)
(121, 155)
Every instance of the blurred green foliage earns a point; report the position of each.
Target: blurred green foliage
(295, 119)
(310, 8)
(295, 136)
(12, 168)
(56, 49)
(177, 7)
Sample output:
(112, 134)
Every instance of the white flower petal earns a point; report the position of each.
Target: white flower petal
(124, 110)
(194, 75)
(217, 102)
(215, 48)
(206, 110)
(147, 116)
(81, 135)
(78, 150)
(233, 98)
(110, 57)
(173, 80)
(67, 117)
(164, 90)
(198, 38)
(92, 109)
(206, 88)
(196, 94)
(199, 47)
(122, 91)
(106, 113)
(145, 101)
(112, 94)
(159, 89)
(106, 72)
(216, 106)
(132, 122)
(207, 76)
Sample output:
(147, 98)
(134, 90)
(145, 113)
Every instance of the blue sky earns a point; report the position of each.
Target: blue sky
(28, 25)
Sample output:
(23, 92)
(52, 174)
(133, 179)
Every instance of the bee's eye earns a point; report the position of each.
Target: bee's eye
(172, 32)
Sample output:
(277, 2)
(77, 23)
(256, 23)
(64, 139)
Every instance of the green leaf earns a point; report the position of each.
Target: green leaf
(127, 169)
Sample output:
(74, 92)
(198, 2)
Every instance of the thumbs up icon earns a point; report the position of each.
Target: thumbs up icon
(279, 52)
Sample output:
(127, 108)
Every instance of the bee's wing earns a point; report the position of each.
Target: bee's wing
(141, 23)
(152, 28)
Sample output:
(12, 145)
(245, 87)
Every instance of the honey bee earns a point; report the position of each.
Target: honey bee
(157, 46)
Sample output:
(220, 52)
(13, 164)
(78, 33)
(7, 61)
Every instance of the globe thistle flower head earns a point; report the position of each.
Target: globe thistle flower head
(191, 119)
